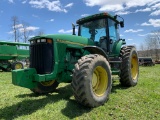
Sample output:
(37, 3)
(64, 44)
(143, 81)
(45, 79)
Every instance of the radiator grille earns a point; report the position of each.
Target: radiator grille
(41, 57)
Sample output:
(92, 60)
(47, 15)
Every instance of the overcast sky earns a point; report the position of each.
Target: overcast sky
(55, 16)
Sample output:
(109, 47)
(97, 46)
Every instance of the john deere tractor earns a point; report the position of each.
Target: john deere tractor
(87, 60)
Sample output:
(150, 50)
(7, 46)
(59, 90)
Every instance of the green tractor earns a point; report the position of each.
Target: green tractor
(11, 55)
(87, 61)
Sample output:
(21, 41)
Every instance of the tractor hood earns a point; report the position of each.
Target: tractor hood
(68, 39)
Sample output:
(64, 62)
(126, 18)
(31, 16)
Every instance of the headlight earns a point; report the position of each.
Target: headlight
(43, 40)
(38, 41)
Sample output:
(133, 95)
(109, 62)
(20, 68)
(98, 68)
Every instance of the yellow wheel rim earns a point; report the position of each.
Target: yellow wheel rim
(48, 83)
(134, 66)
(18, 66)
(99, 81)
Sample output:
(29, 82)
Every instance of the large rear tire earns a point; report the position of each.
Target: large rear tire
(45, 87)
(92, 81)
(130, 66)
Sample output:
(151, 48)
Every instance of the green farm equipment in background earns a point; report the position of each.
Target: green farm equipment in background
(11, 54)
(87, 60)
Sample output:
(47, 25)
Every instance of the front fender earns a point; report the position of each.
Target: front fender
(117, 46)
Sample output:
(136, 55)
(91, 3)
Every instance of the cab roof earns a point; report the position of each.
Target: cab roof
(97, 16)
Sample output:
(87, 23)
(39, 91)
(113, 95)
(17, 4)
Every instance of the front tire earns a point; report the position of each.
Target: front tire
(130, 66)
(45, 87)
(91, 81)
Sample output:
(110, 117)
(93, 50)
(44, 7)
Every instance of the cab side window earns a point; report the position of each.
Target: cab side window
(112, 30)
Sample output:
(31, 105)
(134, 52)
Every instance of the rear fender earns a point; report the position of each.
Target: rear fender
(96, 50)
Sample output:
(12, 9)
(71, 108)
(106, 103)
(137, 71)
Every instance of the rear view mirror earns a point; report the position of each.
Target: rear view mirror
(122, 24)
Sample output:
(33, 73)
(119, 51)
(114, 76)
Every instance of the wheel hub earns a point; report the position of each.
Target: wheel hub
(95, 81)
(18, 66)
(134, 67)
(99, 81)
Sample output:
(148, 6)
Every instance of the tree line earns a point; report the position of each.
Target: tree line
(22, 31)
(151, 45)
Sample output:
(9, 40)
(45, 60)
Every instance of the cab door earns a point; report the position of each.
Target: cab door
(113, 33)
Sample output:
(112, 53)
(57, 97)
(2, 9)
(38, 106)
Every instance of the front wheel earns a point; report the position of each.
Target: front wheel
(45, 87)
(130, 66)
(91, 81)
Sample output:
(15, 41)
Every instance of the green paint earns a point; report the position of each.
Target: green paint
(67, 50)
(24, 78)
(117, 47)
(10, 51)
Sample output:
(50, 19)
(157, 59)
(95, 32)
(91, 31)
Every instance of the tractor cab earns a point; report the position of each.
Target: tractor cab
(101, 28)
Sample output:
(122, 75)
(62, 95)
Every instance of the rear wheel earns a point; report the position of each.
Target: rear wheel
(45, 87)
(130, 67)
(17, 65)
(92, 80)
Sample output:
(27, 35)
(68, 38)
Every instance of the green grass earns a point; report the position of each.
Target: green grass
(141, 102)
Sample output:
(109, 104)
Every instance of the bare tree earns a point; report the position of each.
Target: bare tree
(147, 44)
(21, 31)
(152, 42)
(156, 34)
(142, 48)
(155, 39)
(25, 31)
(15, 22)
(40, 32)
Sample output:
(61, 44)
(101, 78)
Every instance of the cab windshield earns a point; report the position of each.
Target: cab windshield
(94, 29)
